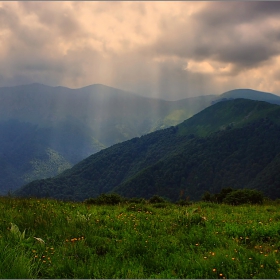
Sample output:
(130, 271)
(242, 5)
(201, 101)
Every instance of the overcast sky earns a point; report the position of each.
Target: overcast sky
(170, 50)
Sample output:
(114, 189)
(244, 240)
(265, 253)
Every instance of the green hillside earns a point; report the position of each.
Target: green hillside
(225, 145)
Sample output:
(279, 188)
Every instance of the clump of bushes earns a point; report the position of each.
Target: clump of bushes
(157, 199)
(106, 199)
(235, 197)
(183, 202)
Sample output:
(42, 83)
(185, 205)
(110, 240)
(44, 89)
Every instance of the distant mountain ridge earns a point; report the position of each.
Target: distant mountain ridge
(229, 144)
(54, 123)
(249, 94)
(45, 130)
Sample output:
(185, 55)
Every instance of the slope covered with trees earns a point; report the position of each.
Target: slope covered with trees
(226, 145)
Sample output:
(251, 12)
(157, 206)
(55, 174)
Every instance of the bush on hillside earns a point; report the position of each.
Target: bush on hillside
(244, 196)
(106, 199)
(157, 199)
(183, 202)
(234, 197)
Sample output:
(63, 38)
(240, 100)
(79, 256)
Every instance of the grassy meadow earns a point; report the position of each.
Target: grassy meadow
(54, 239)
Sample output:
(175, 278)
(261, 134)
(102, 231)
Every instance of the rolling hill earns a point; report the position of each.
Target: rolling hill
(233, 143)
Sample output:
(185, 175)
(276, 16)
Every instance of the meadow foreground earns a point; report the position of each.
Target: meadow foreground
(54, 239)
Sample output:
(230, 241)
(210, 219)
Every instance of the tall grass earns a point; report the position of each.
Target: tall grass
(52, 239)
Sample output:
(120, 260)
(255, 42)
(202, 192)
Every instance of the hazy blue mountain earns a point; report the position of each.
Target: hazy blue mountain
(228, 144)
(249, 94)
(45, 130)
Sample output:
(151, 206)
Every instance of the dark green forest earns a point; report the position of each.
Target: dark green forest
(233, 143)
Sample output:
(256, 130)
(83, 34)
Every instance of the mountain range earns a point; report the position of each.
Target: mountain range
(45, 130)
(233, 143)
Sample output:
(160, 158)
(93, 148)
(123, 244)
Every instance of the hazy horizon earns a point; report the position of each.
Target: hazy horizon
(168, 50)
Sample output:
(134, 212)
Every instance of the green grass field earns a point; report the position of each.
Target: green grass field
(53, 239)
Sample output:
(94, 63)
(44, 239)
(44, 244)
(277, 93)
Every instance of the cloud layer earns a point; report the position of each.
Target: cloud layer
(170, 50)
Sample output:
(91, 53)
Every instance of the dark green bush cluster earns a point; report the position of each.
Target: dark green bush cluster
(106, 199)
(157, 199)
(235, 197)
(114, 198)
(183, 202)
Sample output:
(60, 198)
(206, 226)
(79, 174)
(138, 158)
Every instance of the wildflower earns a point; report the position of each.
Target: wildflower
(221, 274)
(213, 254)
(196, 244)
(261, 265)
(205, 257)
(233, 259)
(214, 269)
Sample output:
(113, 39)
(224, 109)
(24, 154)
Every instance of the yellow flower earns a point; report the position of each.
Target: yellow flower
(214, 269)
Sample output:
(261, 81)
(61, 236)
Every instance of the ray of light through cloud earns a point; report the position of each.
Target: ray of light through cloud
(163, 49)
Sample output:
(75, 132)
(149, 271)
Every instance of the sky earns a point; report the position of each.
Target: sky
(161, 49)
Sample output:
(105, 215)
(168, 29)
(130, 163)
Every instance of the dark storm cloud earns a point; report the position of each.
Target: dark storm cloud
(230, 32)
(226, 13)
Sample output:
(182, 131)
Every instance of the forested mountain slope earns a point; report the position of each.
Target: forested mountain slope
(226, 145)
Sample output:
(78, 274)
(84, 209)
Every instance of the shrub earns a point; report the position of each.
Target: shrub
(243, 196)
(183, 202)
(157, 199)
(161, 205)
(106, 199)
(223, 194)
